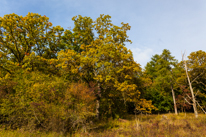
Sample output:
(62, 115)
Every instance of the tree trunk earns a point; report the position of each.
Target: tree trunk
(193, 97)
(98, 95)
(173, 96)
(191, 89)
(97, 108)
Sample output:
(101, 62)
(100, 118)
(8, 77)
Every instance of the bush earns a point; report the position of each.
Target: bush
(40, 101)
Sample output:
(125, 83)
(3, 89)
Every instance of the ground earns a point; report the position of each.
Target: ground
(182, 125)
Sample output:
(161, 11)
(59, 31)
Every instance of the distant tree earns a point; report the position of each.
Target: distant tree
(161, 71)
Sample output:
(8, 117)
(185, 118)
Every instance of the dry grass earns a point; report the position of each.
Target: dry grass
(154, 126)
(143, 126)
(22, 133)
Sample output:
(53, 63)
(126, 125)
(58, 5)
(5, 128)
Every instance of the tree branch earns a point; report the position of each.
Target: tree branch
(188, 101)
(196, 93)
(6, 69)
(188, 96)
(202, 84)
(201, 107)
(15, 43)
(191, 89)
(37, 117)
(197, 77)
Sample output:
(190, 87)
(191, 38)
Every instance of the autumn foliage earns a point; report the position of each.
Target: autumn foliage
(60, 80)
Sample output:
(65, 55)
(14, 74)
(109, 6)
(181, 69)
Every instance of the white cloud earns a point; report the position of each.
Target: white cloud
(155, 25)
(142, 56)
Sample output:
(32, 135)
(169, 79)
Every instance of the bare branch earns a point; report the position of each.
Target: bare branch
(202, 84)
(196, 93)
(196, 101)
(191, 89)
(37, 118)
(188, 101)
(201, 107)
(188, 96)
(197, 77)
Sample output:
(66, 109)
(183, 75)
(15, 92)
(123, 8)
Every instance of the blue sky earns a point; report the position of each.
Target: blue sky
(177, 25)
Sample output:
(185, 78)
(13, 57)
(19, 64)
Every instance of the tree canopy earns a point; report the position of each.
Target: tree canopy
(53, 77)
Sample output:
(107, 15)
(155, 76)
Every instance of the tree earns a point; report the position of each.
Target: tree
(106, 61)
(69, 72)
(161, 72)
(36, 100)
(20, 36)
(195, 69)
(191, 89)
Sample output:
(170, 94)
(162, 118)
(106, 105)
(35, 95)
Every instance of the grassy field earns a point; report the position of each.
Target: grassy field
(167, 125)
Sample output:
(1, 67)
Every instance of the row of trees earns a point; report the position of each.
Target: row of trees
(51, 77)
(177, 85)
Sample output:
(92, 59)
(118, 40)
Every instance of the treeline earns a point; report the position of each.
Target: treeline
(170, 89)
(61, 80)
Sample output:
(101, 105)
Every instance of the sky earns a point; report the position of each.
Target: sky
(176, 25)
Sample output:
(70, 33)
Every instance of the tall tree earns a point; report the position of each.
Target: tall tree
(161, 72)
(195, 68)
(191, 88)
(20, 36)
(106, 61)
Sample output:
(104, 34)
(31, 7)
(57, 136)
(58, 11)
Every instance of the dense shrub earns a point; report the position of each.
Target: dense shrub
(45, 102)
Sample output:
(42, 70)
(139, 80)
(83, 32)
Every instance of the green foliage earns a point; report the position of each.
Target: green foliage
(22, 36)
(162, 72)
(115, 71)
(51, 77)
(59, 80)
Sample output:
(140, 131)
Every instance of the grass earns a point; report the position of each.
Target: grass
(21, 133)
(168, 125)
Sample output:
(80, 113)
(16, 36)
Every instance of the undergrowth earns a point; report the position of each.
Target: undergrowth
(142, 126)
